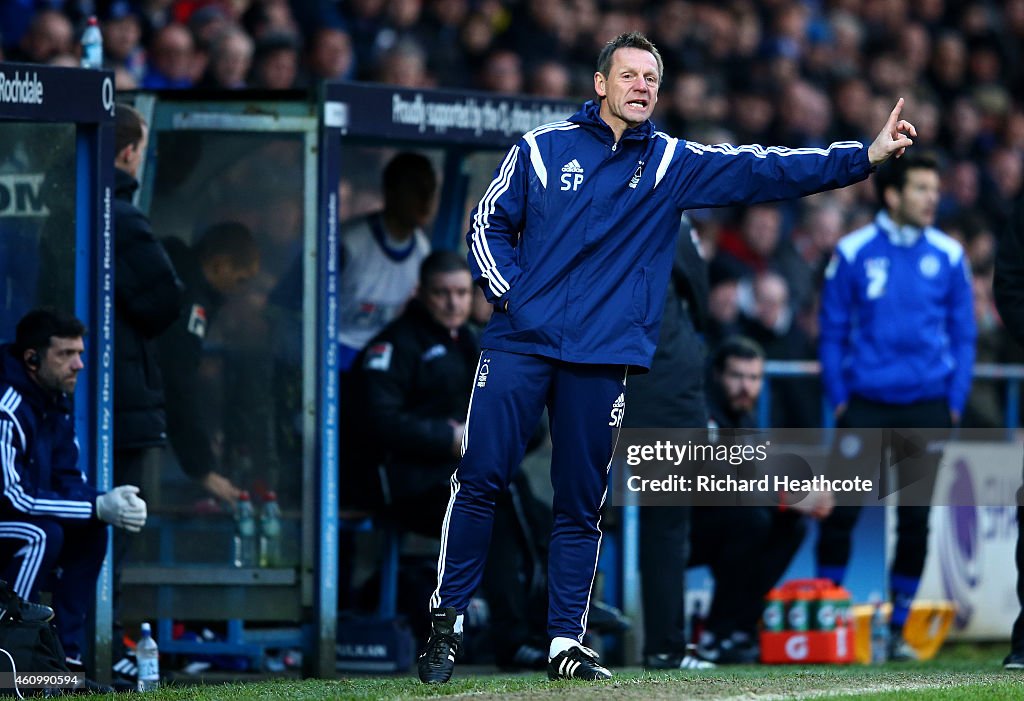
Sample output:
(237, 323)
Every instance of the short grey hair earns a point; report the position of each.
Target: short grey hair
(629, 40)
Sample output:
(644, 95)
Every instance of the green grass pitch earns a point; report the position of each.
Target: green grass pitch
(960, 673)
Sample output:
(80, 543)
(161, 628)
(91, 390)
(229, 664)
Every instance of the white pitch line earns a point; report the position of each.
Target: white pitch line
(833, 693)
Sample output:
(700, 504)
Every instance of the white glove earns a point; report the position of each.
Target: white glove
(121, 507)
(135, 516)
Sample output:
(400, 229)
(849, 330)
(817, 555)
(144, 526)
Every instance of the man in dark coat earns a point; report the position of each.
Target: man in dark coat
(748, 547)
(223, 258)
(412, 397)
(1009, 292)
(147, 298)
(406, 422)
(671, 395)
(772, 324)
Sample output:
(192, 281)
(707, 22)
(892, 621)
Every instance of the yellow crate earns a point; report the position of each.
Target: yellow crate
(925, 630)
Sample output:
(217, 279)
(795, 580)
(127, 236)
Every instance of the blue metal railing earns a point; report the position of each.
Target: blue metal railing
(1012, 375)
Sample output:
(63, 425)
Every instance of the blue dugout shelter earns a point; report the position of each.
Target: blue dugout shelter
(465, 134)
(56, 188)
(290, 170)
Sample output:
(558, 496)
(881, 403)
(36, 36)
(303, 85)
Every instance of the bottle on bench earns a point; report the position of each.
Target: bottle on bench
(147, 656)
(270, 532)
(244, 550)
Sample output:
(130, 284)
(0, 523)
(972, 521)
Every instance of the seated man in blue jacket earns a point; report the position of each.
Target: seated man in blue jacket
(50, 516)
(573, 244)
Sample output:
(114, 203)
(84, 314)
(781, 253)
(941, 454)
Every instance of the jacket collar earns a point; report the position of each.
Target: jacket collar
(124, 185)
(13, 373)
(905, 235)
(589, 116)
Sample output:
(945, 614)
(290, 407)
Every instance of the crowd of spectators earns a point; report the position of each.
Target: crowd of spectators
(799, 73)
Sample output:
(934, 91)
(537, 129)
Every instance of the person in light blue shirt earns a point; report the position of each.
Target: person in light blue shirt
(897, 351)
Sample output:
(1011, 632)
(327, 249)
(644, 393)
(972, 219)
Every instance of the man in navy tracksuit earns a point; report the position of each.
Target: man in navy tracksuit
(50, 517)
(897, 351)
(572, 243)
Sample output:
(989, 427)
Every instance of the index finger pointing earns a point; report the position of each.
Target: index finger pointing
(894, 116)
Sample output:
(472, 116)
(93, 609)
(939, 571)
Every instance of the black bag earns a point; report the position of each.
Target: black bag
(29, 647)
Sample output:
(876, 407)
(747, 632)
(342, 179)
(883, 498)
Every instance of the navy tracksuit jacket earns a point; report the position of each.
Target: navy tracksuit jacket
(47, 509)
(576, 235)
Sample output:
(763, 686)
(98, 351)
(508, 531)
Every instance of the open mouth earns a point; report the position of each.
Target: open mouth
(637, 104)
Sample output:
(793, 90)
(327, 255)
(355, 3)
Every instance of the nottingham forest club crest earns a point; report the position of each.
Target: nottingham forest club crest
(483, 373)
(637, 174)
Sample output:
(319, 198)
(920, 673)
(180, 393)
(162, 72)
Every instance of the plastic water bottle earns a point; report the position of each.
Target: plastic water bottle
(270, 532)
(147, 656)
(245, 533)
(92, 45)
(879, 635)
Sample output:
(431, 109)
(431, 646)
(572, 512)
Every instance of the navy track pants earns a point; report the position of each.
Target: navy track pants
(31, 549)
(585, 407)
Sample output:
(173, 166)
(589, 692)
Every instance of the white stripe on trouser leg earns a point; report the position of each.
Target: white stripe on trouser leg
(28, 570)
(31, 553)
(435, 598)
(469, 409)
(600, 536)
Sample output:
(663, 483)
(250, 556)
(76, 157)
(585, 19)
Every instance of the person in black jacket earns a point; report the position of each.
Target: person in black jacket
(1009, 292)
(410, 395)
(671, 395)
(147, 299)
(772, 324)
(223, 259)
(747, 547)
(406, 423)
